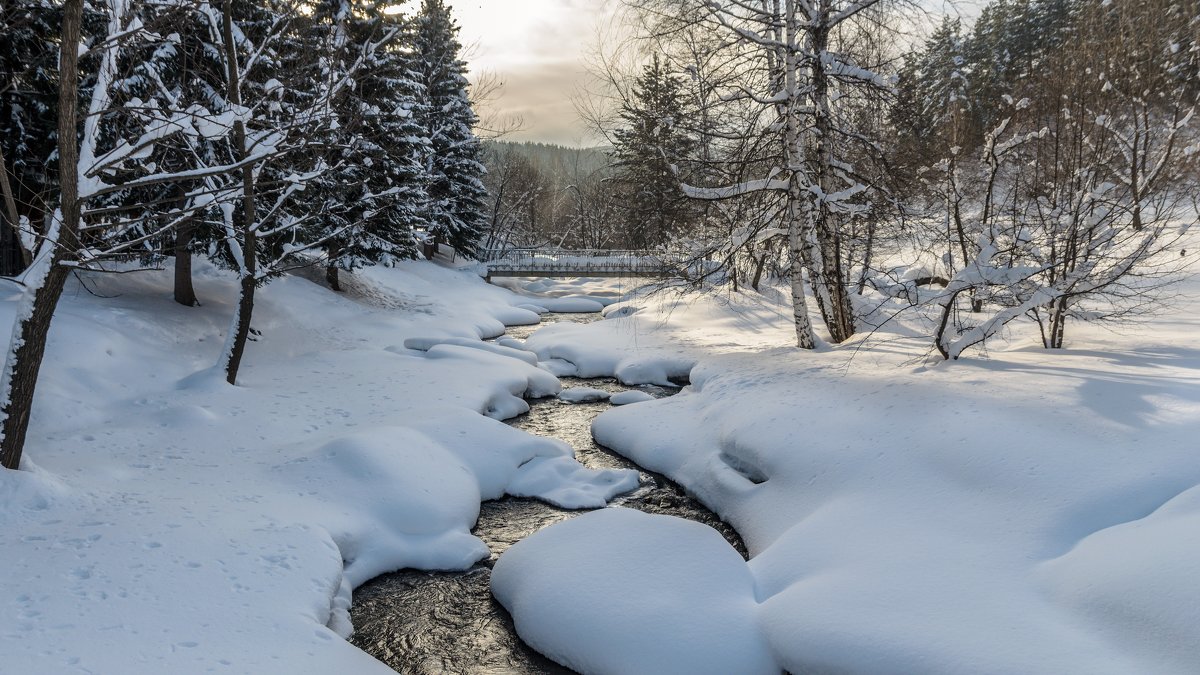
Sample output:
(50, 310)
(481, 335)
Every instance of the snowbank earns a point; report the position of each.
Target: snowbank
(169, 523)
(571, 295)
(583, 395)
(1033, 512)
(628, 397)
(684, 597)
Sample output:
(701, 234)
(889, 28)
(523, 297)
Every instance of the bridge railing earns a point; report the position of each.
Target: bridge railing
(592, 262)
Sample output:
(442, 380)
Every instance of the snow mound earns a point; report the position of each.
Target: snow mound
(388, 521)
(583, 395)
(524, 379)
(684, 602)
(619, 311)
(565, 483)
(517, 316)
(424, 344)
(559, 367)
(594, 352)
(631, 396)
(572, 304)
(511, 343)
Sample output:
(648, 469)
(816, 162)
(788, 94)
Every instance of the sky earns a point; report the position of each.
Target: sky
(537, 48)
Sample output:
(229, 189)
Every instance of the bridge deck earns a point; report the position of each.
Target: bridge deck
(573, 272)
(578, 263)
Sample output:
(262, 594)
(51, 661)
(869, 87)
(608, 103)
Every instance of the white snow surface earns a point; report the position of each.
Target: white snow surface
(630, 396)
(166, 522)
(583, 395)
(575, 295)
(678, 577)
(1024, 512)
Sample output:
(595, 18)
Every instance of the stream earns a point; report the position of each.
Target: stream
(422, 623)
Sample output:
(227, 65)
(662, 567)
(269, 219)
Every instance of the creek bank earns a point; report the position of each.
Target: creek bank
(447, 622)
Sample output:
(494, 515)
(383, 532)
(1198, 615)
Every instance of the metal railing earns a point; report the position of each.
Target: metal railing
(583, 262)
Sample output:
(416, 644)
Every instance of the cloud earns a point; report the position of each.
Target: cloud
(542, 97)
(536, 47)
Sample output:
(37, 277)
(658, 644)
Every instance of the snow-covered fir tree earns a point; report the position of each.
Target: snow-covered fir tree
(28, 80)
(457, 196)
(374, 195)
(654, 137)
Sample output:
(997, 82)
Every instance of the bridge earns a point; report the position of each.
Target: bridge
(528, 262)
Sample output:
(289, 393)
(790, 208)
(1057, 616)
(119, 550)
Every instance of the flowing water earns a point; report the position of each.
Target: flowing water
(447, 622)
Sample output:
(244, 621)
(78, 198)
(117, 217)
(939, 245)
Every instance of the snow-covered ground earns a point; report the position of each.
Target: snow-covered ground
(169, 523)
(1027, 512)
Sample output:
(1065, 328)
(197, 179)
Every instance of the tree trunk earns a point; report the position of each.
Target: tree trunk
(185, 293)
(240, 330)
(830, 277)
(759, 263)
(955, 198)
(332, 276)
(46, 281)
(804, 332)
(1058, 321)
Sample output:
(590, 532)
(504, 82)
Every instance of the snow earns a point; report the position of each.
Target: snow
(425, 344)
(572, 304)
(574, 295)
(628, 397)
(583, 395)
(1031, 512)
(682, 581)
(596, 350)
(168, 522)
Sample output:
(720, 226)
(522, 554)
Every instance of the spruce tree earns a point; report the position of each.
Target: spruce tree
(373, 196)
(453, 161)
(28, 107)
(654, 135)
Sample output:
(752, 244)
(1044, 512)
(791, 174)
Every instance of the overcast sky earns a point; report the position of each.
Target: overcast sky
(537, 48)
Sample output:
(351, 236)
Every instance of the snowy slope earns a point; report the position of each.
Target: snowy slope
(1031, 512)
(170, 523)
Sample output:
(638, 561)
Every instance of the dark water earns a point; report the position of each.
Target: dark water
(447, 622)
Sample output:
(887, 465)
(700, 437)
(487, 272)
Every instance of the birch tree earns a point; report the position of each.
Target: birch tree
(792, 68)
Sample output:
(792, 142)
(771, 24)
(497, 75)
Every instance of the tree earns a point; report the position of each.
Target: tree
(1081, 219)
(279, 114)
(110, 156)
(457, 196)
(380, 146)
(515, 187)
(801, 83)
(652, 140)
(29, 31)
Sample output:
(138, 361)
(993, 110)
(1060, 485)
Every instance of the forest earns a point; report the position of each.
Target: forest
(264, 135)
(866, 338)
(1040, 162)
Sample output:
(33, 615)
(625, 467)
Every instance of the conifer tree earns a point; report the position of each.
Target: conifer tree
(453, 162)
(374, 194)
(28, 89)
(652, 140)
